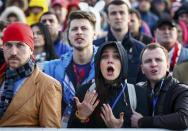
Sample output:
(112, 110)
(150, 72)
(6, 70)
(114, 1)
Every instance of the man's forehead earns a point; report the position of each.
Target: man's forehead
(48, 16)
(117, 7)
(151, 52)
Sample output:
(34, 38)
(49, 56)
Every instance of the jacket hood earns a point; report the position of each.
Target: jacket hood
(23, 4)
(39, 3)
(123, 58)
(13, 10)
(33, 18)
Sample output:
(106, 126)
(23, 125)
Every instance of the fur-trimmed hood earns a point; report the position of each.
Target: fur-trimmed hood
(13, 10)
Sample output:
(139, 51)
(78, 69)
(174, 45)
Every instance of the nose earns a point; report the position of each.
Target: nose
(153, 63)
(110, 60)
(79, 31)
(13, 50)
(46, 22)
(118, 16)
(34, 35)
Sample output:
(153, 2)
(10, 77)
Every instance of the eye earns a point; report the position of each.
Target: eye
(113, 13)
(84, 28)
(8, 45)
(116, 56)
(19, 45)
(122, 12)
(147, 61)
(158, 59)
(73, 29)
(104, 56)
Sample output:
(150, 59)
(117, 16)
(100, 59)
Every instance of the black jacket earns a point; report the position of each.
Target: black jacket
(172, 107)
(95, 121)
(133, 48)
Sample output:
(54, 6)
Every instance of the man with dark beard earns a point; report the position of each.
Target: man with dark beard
(75, 67)
(118, 19)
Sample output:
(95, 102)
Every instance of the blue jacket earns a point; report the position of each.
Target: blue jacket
(59, 69)
(183, 55)
(133, 48)
(61, 48)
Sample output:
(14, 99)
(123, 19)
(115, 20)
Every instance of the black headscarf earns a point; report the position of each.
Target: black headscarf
(101, 86)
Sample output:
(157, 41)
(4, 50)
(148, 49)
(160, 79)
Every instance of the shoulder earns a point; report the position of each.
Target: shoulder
(137, 44)
(177, 90)
(184, 51)
(43, 78)
(182, 65)
(99, 41)
(53, 63)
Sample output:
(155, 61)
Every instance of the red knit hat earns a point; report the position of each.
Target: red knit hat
(19, 32)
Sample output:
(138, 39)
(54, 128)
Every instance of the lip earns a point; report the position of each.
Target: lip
(79, 40)
(13, 59)
(110, 70)
(154, 71)
(118, 22)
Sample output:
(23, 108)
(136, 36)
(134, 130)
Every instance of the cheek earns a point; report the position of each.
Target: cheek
(119, 66)
(102, 65)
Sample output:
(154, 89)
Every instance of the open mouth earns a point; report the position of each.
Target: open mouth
(110, 69)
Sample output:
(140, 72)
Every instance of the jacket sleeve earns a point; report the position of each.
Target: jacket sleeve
(177, 120)
(50, 107)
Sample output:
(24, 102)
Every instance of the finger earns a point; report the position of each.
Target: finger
(96, 103)
(121, 116)
(90, 96)
(94, 98)
(109, 109)
(86, 97)
(77, 101)
(103, 117)
(106, 112)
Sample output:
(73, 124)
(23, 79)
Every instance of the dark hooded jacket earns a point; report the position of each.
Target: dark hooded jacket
(108, 93)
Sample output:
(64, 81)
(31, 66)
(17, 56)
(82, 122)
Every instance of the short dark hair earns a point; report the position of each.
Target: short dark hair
(136, 12)
(82, 15)
(116, 2)
(49, 13)
(153, 46)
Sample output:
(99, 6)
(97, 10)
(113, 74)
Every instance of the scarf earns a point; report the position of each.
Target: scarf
(175, 56)
(11, 76)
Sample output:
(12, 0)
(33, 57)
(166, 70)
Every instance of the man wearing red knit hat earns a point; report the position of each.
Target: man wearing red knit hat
(28, 97)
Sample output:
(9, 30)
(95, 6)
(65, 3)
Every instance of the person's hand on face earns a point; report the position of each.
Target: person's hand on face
(88, 105)
(109, 118)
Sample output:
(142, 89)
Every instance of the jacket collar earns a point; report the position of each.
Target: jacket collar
(126, 42)
(165, 83)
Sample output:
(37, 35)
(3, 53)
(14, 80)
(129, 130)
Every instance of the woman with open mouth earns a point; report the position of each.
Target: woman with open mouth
(107, 101)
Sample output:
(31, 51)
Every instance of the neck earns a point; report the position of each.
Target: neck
(84, 56)
(54, 37)
(152, 84)
(135, 34)
(119, 35)
(38, 50)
